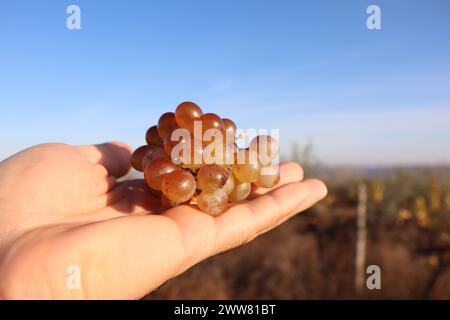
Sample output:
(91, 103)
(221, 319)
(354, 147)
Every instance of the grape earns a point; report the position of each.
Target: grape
(213, 203)
(230, 126)
(166, 203)
(211, 177)
(137, 156)
(186, 113)
(241, 191)
(247, 167)
(268, 180)
(265, 146)
(166, 124)
(153, 137)
(152, 154)
(178, 186)
(229, 185)
(212, 121)
(155, 171)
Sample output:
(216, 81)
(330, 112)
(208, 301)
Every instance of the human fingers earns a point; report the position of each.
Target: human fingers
(113, 156)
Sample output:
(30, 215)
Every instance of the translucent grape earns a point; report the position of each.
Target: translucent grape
(137, 156)
(211, 177)
(213, 203)
(247, 167)
(178, 186)
(229, 185)
(265, 146)
(155, 171)
(186, 113)
(152, 154)
(241, 191)
(212, 121)
(268, 180)
(166, 124)
(152, 137)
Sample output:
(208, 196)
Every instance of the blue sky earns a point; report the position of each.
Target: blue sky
(310, 68)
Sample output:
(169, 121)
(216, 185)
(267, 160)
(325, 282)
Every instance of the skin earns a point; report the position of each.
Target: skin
(61, 205)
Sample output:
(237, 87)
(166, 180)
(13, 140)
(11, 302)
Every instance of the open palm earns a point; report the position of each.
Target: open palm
(61, 206)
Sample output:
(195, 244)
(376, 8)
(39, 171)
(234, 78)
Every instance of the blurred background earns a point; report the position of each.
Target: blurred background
(366, 110)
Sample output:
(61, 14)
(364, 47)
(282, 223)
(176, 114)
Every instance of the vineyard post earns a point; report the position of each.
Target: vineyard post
(361, 234)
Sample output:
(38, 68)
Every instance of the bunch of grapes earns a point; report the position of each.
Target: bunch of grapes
(192, 157)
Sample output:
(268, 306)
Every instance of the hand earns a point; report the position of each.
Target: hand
(61, 206)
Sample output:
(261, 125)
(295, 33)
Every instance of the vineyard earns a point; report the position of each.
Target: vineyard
(312, 256)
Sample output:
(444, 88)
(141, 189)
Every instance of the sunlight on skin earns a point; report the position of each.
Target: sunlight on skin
(61, 205)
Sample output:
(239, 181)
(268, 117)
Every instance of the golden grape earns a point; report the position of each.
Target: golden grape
(211, 177)
(178, 185)
(247, 167)
(155, 171)
(213, 203)
(186, 113)
(241, 191)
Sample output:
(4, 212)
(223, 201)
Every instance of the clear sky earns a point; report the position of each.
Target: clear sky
(310, 68)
